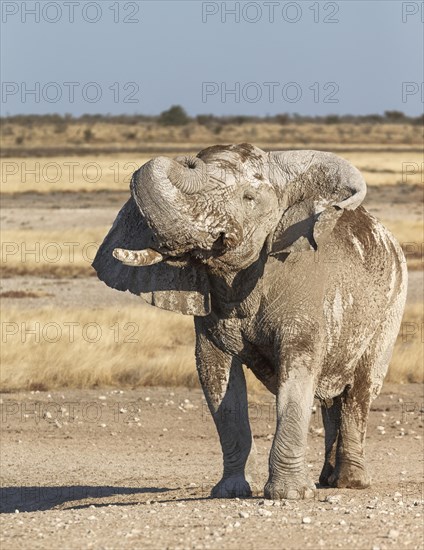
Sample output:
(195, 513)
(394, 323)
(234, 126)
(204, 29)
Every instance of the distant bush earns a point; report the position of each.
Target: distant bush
(282, 118)
(394, 116)
(88, 135)
(241, 119)
(332, 119)
(187, 132)
(373, 118)
(60, 127)
(205, 120)
(175, 116)
(419, 120)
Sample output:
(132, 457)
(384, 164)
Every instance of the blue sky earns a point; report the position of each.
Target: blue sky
(258, 58)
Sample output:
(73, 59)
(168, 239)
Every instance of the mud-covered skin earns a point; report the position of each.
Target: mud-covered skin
(315, 318)
(286, 273)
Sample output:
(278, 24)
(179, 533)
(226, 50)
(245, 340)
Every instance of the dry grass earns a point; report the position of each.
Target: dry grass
(113, 172)
(388, 168)
(410, 234)
(294, 134)
(23, 294)
(407, 363)
(406, 231)
(108, 347)
(132, 347)
(70, 174)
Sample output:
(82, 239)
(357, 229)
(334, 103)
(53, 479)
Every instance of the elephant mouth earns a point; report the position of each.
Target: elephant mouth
(218, 248)
(151, 256)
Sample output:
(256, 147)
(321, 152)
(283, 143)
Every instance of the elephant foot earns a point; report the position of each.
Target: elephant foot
(232, 487)
(349, 477)
(290, 490)
(326, 472)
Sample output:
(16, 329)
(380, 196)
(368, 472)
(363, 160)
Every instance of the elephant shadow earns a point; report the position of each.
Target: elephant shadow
(40, 498)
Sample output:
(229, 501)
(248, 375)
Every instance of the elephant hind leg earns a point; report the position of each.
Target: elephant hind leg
(331, 415)
(355, 403)
(350, 470)
(345, 421)
(350, 417)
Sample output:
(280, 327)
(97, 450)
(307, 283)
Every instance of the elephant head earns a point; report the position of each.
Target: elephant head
(218, 211)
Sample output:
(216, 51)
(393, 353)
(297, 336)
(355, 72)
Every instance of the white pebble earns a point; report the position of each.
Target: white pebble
(333, 499)
(393, 534)
(306, 520)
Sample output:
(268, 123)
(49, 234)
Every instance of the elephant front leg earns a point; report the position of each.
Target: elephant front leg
(223, 382)
(288, 476)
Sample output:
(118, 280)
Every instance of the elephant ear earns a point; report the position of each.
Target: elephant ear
(301, 230)
(168, 285)
(320, 187)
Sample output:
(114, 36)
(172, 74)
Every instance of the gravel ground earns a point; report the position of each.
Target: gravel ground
(109, 469)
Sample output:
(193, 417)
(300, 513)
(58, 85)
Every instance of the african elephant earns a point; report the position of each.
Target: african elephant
(284, 272)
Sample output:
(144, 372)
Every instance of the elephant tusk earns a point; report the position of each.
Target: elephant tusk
(137, 257)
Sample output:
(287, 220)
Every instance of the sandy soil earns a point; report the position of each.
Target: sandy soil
(112, 469)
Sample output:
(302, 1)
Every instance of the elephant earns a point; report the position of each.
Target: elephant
(285, 273)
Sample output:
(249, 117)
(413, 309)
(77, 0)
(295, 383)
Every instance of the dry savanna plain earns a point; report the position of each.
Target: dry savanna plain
(107, 442)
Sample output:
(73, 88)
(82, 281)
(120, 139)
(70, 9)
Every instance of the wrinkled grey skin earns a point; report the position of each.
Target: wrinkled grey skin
(284, 272)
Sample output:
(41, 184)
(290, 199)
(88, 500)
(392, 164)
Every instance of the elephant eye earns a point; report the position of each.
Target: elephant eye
(248, 197)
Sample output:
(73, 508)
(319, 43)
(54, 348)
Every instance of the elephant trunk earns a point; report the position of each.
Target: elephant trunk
(323, 178)
(169, 195)
(189, 174)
